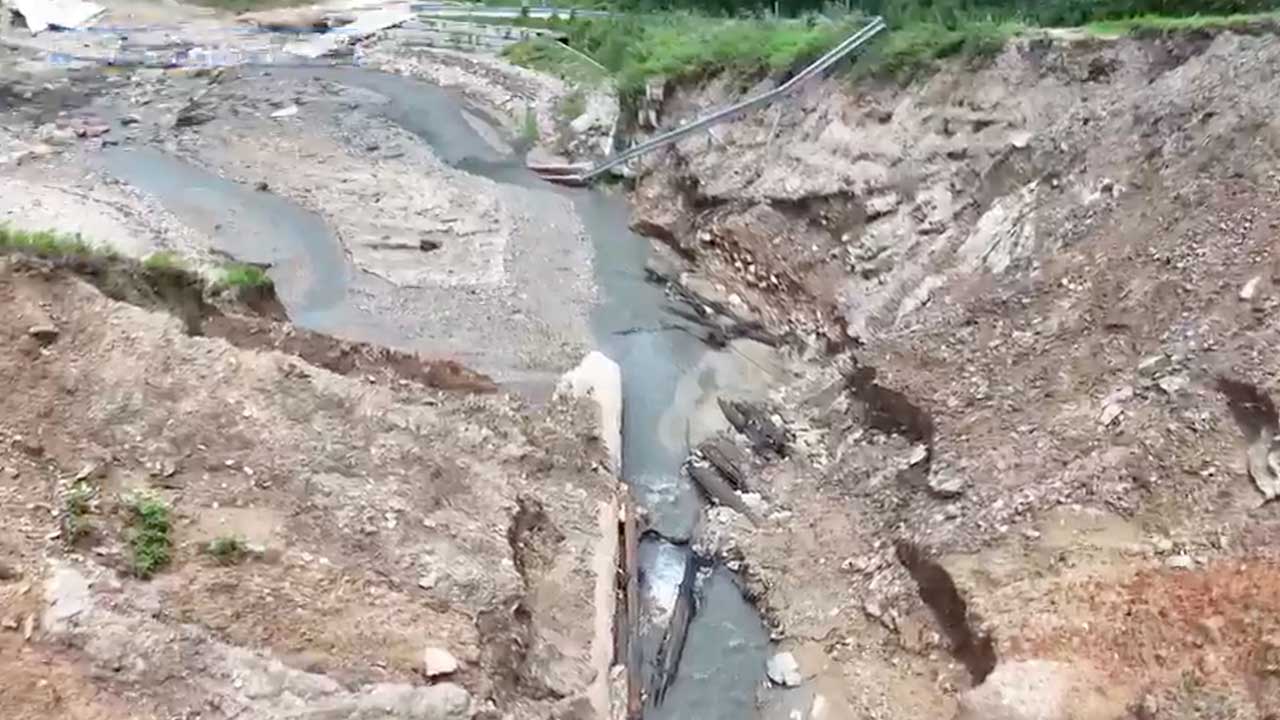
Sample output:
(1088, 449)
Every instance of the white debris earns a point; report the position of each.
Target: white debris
(44, 14)
(365, 24)
(438, 661)
(783, 670)
(600, 379)
(285, 112)
(1250, 289)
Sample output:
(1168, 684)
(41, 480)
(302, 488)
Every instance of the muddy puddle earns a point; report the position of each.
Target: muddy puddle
(669, 377)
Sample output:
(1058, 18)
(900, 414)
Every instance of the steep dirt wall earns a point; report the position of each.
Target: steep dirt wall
(1058, 259)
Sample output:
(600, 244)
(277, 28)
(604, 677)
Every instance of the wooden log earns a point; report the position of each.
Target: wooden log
(728, 459)
(667, 664)
(718, 489)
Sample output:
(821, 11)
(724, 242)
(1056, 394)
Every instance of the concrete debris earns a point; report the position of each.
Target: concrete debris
(1250, 289)
(599, 378)
(64, 14)
(1109, 414)
(438, 661)
(783, 670)
(285, 112)
(364, 25)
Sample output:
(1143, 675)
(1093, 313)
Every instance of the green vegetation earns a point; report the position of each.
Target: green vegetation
(571, 106)
(163, 260)
(227, 550)
(529, 129)
(915, 50)
(552, 58)
(49, 244)
(150, 536)
(244, 275)
(75, 512)
(1163, 24)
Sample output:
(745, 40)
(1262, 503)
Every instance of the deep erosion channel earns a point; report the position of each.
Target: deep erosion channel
(670, 378)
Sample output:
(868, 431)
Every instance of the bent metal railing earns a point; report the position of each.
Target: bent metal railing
(578, 175)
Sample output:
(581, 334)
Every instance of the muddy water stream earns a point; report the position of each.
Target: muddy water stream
(670, 379)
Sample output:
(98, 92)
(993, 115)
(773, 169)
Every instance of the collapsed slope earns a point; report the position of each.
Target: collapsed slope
(1049, 282)
(380, 518)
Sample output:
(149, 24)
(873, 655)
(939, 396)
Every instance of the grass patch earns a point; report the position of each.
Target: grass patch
(75, 512)
(228, 550)
(244, 275)
(552, 58)
(163, 260)
(150, 538)
(50, 244)
(1144, 24)
(915, 50)
(529, 128)
(571, 106)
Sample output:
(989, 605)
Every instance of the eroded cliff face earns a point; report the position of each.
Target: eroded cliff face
(1037, 436)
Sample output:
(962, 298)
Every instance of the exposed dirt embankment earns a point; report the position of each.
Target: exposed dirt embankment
(1052, 263)
(347, 547)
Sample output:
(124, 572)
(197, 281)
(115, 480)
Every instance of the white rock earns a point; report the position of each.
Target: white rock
(1250, 289)
(1180, 562)
(1109, 414)
(438, 661)
(285, 112)
(599, 378)
(783, 670)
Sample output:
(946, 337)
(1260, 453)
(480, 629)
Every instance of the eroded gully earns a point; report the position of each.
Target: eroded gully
(670, 379)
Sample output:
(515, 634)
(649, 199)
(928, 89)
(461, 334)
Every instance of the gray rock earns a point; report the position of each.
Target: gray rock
(1173, 384)
(67, 594)
(946, 485)
(783, 670)
(1043, 690)
(438, 661)
(45, 334)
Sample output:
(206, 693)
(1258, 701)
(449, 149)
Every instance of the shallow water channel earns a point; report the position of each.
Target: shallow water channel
(670, 379)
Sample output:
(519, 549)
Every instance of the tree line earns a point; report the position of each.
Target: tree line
(954, 12)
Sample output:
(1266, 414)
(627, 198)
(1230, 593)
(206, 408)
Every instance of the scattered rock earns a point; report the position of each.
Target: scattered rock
(44, 334)
(438, 661)
(28, 626)
(8, 572)
(285, 112)
(261, 186)
(191, 114)
(1154, 365)
(946, 485)
(427, 244)
(128, 120)
(1173, 384)
(1180, 562)
(1109, 414)
(1250, 289)
(1264, 464)
(784, 670)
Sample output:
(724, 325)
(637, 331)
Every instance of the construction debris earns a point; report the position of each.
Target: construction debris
(41, 15)
(364, 25)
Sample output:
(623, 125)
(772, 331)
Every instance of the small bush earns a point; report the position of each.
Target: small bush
(572, 106)
(227, 550)
(163, 260)
(75, 512)
(150, 536)
(243, 275)
(529, 130)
